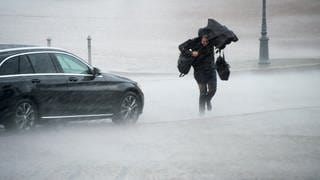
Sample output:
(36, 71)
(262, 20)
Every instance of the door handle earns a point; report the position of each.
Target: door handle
(35, 81)
(73, 79)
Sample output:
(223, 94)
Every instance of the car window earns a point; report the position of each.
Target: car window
(25, 66)
(10, 66)
(71, 64)
(42, 63)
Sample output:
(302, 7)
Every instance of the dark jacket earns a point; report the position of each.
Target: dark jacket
(203, 65)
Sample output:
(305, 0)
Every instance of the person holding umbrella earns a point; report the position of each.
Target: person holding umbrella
(201, 52)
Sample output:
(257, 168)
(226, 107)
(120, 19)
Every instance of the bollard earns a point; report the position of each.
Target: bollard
(89, 50)
(49, 42)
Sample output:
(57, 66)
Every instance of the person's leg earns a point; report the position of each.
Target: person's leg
(212, 88)
(202, 97)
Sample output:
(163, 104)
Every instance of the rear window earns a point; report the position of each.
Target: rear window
(42, 63)
(10, 66)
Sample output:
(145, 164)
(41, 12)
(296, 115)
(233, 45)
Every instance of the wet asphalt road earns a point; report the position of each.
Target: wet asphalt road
(247, 136)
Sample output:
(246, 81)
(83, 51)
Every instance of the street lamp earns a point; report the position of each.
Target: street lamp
(264, 47)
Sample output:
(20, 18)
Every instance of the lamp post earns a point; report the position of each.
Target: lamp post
(264, 46)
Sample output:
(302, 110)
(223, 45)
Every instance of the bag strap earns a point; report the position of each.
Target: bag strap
(224, 59)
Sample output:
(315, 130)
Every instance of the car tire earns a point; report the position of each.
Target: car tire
(24, 116)
(128, 109)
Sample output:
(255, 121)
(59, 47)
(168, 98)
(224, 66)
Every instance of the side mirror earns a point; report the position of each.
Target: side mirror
(96, 72)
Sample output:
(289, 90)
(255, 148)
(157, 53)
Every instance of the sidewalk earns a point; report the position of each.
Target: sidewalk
(241, 66)
(275, 64)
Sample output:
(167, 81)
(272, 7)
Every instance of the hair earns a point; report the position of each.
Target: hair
(205, 36)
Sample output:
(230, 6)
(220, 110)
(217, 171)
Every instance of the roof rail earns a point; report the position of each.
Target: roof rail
(26, 47)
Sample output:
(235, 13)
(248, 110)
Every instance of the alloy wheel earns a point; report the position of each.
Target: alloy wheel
(25, 116)
(129, 109)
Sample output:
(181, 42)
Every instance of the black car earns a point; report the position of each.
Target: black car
(38, 84)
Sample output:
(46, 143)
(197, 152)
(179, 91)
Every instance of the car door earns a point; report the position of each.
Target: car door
(47, 86)
(88, 94)
(11, 85)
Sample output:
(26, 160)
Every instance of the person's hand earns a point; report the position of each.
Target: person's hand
(195, 53)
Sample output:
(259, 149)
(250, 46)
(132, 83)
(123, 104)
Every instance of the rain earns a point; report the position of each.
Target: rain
(265, 118)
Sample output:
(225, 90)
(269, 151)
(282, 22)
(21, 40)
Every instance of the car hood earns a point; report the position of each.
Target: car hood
(116, 78)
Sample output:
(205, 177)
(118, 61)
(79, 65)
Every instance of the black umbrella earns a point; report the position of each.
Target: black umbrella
(218, 34)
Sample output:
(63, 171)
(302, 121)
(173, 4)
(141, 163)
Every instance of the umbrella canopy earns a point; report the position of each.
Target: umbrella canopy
(219, 35)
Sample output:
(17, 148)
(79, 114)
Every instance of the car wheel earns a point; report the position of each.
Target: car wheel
(129, 109)
(24, 116)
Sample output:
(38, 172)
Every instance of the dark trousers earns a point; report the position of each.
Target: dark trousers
(207, 87)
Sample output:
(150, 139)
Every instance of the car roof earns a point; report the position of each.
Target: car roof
(7, 50)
